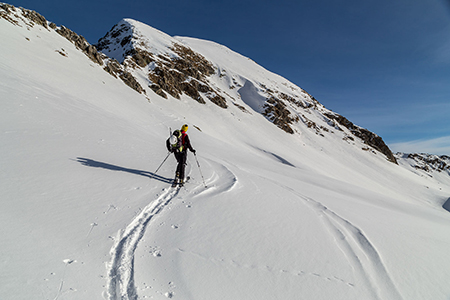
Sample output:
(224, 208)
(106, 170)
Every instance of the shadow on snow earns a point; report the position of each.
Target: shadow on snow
(446, 205)
(97, 164)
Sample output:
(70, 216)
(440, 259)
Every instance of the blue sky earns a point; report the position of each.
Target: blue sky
(385, 64)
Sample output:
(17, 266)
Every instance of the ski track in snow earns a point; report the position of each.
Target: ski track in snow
(228, 180)
(121, 283)
(121, 268)
(359, 251)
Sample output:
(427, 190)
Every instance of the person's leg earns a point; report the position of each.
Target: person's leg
(182, 162)
(179, 158)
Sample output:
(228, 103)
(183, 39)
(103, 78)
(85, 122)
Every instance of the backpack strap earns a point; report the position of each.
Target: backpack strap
(182, 140)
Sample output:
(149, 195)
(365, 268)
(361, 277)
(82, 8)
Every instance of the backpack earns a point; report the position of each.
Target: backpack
(175, 141)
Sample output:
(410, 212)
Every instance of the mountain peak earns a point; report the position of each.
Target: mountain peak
(206, 71)
(129, 35)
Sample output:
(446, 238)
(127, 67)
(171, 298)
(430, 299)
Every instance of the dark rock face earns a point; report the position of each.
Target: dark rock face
(81, 43)
(367, 136)
(184, 74)
(276, 111)
(129, 80)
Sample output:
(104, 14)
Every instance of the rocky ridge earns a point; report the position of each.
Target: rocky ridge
(428, 163)
(24, 17)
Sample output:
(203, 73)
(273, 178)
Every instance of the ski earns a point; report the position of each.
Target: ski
(180, 184)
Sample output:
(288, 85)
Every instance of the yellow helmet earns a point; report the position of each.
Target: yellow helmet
(184, 128)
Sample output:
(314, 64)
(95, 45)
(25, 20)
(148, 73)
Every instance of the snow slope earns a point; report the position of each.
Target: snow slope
(283, 216)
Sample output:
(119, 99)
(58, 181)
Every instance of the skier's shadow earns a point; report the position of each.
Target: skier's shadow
(446, 205)
(97, 164)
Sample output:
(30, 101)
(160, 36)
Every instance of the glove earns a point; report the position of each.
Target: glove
(193, 151)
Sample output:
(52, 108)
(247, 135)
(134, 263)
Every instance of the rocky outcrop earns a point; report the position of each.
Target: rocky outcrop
(365, 135)
(117, 70)
(427, 162)
(186, 74)
(81, 43)
(278, 113)
(183, 71)
(29, 17)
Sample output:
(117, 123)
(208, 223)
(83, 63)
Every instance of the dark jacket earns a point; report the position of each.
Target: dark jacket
(186, 142)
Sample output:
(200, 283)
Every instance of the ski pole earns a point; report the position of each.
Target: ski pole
(161, 165)
(200, 169)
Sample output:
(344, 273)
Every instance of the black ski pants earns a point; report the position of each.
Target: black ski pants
(181, 159)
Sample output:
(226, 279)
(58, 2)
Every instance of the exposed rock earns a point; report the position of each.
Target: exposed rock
(141, 57)
(131, 81)
(277, 112)
(427, 162)
(242, 108)
(184, 71)
(217, 99)
(29, 17)
(112, 35)
(35, 17)
(367, 136)
(192, 63)
(185, 74)
(192, 92)
(113, 67)
(158, 90)
(165, 79)
(81, 43)
(93, 54)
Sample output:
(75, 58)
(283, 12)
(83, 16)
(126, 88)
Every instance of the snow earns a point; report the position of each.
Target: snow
(282, 217)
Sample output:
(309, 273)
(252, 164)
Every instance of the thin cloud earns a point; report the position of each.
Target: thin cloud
(439, 146)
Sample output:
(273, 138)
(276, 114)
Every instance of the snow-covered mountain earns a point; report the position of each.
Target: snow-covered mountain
(203, 70)
(299, 202)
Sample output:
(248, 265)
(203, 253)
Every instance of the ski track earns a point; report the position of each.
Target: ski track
(121, 268)
(121, 283)
(359, 251)
(228, 180)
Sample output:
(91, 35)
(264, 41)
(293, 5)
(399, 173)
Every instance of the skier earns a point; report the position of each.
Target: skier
(178, 144)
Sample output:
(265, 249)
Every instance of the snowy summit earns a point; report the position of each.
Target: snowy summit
(286, 199)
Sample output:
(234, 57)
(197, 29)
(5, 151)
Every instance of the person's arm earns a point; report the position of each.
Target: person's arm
(188, 144)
